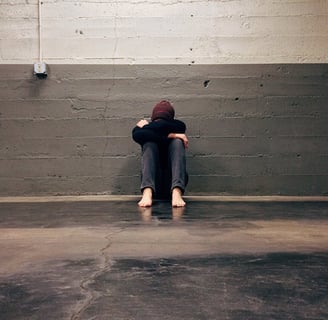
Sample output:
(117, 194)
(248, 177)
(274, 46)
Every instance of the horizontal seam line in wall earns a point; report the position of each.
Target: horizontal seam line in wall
(190, 157)
(319, 116)
(74, 177)
(196, 137)
(74, 157)
(258, 137)
(258, 175)
(70, 137)
(73, 137)
(65, 177)
(120, 98)
(257, 155)
(67, 119)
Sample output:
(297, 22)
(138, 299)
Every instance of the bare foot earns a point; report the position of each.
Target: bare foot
(177, 200)
(147, 198)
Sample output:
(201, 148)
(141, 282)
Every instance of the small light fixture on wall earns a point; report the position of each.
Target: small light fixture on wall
(40, 70)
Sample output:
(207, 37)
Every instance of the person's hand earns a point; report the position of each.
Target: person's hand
(181, 136)
(184, 139)
(142, 123)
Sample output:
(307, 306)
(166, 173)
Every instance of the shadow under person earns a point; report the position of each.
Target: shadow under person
(163, 141)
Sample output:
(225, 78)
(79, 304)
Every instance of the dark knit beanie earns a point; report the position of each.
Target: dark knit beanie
(163, 110)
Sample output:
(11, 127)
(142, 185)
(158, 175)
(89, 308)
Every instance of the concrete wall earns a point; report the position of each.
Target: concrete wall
(248, 77)
(254, 129)
(167, 31)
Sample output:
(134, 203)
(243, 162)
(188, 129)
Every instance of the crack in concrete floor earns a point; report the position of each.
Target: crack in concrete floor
(104, 266)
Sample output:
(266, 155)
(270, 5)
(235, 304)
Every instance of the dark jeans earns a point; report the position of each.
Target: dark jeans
(164, 167)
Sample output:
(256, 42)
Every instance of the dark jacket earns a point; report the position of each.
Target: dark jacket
(157, 131)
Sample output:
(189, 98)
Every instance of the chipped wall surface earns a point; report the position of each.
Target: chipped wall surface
(164, 32)
(253, 129)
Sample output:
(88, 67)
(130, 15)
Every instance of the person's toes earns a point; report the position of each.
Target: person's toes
(179, 203)
(146, 201)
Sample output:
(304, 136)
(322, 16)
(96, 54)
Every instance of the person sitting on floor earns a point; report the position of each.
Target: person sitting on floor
(163, 141)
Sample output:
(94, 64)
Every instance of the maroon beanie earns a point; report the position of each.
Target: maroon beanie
(163, 110)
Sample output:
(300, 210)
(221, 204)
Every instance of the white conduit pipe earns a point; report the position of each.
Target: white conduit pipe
(40, 32)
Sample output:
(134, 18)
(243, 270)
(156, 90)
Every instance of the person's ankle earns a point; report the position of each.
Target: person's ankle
(177, 190)
(147, 191)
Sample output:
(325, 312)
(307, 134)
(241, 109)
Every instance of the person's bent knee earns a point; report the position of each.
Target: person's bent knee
(176, 143)
(150, 145)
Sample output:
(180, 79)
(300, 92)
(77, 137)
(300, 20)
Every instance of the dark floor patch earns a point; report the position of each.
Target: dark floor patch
(50, 293)
(274, 286)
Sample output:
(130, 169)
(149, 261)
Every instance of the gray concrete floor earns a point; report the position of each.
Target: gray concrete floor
(211, 260)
